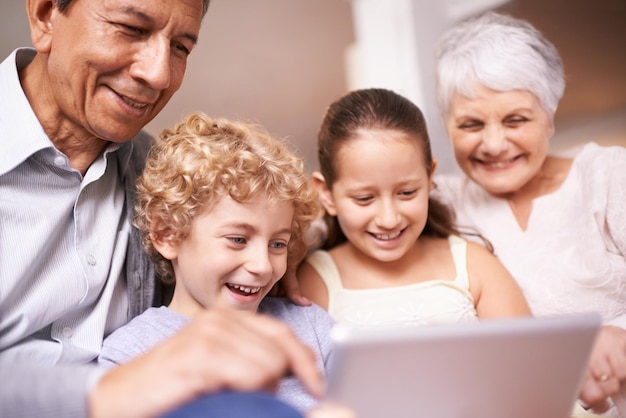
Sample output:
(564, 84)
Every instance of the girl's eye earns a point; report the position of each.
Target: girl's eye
(278, 245)
(408, 193)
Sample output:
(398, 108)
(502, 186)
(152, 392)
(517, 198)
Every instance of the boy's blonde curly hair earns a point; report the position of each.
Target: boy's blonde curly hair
(202, 160)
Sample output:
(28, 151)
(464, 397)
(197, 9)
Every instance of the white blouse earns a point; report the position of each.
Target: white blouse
(571, 257)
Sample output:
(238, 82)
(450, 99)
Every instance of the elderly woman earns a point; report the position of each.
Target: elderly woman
(558, 224)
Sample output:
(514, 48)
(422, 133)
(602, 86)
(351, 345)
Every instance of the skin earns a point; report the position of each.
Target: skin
(221, 349)
(501, 141)
(232, 257)
(130, 60)
(102, 71)
(383, 215)
(607, 359)
(382, 208)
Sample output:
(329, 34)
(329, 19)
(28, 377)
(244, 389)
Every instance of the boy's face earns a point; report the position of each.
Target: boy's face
(233, 255)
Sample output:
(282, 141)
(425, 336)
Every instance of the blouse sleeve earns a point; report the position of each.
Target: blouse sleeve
(448, 189)
(616, 198)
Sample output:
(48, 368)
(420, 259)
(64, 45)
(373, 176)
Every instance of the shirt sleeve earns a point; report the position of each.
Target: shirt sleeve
(45, 391)
(616, 199)
(126, 343)
(619, 321)
(447, 189)
(323, 324)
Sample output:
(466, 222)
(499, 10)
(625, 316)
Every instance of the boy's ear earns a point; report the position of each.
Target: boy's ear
(326, 196)
(165, 245)
(41, 14)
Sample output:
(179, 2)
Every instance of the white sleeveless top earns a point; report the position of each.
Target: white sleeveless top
(430, 302)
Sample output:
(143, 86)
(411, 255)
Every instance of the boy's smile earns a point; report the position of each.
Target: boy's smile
(233, 256)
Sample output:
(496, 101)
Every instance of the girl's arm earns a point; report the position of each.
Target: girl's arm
(495, 291)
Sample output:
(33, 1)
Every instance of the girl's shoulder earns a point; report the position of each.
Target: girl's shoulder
(439, 244)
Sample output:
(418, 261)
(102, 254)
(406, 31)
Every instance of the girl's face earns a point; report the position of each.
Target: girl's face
(380, 194)
(500, 139)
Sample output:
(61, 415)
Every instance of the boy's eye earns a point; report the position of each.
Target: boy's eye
(237, 240)
(362, 199)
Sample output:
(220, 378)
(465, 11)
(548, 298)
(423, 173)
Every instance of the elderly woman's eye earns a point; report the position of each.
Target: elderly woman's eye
(473, 125)
(515, 121)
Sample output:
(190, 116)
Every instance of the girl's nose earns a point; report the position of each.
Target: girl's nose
(388, 216)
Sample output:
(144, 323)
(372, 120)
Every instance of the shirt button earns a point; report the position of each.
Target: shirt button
(67, 332)
(91, 260)
(59, 160)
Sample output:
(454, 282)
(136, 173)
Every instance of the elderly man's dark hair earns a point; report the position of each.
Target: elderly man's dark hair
(62, 5)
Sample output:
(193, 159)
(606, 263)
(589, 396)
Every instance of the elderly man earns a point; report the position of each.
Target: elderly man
(72, 268)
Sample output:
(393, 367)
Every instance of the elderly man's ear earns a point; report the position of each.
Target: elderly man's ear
(41, 17)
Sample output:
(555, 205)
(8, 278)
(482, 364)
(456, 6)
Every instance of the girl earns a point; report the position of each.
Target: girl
(392, 255)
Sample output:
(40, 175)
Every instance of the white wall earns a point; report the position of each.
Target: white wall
(394, 48)
(281, 62)
(275, 62)
(395, 41)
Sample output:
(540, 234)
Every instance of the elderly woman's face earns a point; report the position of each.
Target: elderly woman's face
(500, 139)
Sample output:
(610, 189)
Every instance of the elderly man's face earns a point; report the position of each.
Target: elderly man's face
(114, 64)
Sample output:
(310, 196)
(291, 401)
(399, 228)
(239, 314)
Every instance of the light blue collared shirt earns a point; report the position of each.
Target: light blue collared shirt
(63, 239)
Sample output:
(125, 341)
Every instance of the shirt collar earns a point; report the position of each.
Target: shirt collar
(21, 134)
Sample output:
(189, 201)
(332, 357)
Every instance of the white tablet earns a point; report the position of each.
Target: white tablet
(504, 368)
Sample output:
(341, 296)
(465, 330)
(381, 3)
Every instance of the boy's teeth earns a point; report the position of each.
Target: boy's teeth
(245, 289)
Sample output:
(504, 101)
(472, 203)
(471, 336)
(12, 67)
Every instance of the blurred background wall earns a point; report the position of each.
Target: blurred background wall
(281, 62)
